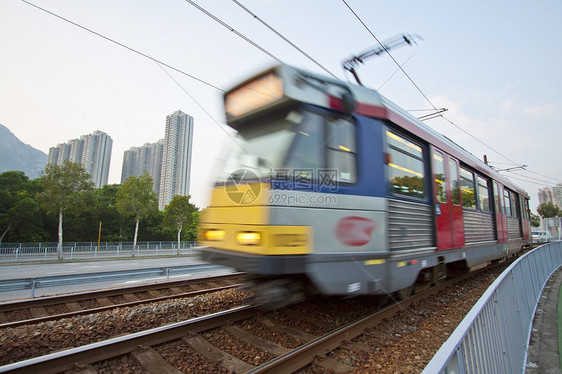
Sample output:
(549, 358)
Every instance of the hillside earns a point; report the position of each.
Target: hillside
(15, 155)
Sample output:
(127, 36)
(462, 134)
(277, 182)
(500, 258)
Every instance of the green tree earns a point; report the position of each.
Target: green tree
(548, 210)
(26, 219)
(113, 223)
(66, 187)
(191, 232)
(137, 199)
(20, 216)
(179, 212)
(12, 190)
(535, 220)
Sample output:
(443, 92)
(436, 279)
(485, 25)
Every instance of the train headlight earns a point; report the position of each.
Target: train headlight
(214, 235)
(248, 238)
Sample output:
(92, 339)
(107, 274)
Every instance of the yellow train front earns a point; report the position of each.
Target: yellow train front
(333, 189)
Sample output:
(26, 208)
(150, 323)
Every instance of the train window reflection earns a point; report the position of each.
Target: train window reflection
(439, 175)
(483, 195)
(506, 203)
(405, 167)
(341, 151)
(307, 151)
(454, 175)
(467, 188)
(514, 205)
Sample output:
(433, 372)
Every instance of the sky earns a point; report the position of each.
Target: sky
(495, 65)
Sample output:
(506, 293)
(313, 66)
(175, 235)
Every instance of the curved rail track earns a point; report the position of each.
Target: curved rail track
(249, 330)
(30, 311)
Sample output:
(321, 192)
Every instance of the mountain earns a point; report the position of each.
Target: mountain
(15, 155)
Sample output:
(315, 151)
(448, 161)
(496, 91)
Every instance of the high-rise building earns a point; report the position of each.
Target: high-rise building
(93, 151)
(176, 160)
(137, 160)
(551, 195)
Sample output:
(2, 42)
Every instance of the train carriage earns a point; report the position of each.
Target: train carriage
(333, 188)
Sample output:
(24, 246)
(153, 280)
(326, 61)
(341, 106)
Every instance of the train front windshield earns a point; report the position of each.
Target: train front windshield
(293, 140)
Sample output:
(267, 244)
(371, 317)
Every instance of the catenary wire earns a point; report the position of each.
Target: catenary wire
(529, 181)
(475, 138)
(237, 33)
(124, 46)
(389, 54)
(418, 88)
(284, 38)
(531, 178)
(205, 110)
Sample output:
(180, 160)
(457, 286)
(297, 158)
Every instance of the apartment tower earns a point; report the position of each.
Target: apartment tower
(176, 159)
(148, 157)
(93, 151)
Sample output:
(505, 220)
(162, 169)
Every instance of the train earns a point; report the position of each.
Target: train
(333, 189)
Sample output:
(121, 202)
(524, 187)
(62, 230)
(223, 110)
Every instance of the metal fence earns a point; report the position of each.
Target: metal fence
(494, 335)
(12, 252)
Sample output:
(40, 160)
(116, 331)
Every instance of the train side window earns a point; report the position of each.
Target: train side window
(514, 210)
(307, 150)
(467, 188)
(497, 194)
(454, 175)
(439, 175)
(506, 203)
(342, 150)
(406, 173)
(483, 194)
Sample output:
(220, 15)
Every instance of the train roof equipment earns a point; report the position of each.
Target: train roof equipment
(283, 85)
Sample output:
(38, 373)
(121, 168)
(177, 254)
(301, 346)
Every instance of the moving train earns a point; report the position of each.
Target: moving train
(333, 189)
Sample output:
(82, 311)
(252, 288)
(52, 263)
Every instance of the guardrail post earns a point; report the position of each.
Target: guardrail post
(33, 286)
(167, 272)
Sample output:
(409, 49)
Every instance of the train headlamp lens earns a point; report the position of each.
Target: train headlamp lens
(248, 238)
(214, 235)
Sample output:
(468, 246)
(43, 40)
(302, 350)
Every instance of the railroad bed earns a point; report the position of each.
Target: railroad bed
(325, 335)
(41, 309)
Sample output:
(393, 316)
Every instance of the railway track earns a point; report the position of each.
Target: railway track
(239, 340)
(30, 311)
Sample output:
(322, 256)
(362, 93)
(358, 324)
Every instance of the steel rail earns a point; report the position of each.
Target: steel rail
(115, 306)
(66, 360)
(87, 295)
(305, 354)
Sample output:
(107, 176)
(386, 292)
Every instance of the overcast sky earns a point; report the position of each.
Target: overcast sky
(495, 65)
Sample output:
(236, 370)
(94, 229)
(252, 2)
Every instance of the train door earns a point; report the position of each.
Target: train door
(448, 209)
(501, 219)
(525, 217)
(456, 204)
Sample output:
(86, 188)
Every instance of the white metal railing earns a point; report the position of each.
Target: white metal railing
(494, 335)
(11, 252)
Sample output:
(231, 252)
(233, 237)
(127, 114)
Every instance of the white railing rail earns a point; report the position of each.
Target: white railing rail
(494, 335)
(12, 252)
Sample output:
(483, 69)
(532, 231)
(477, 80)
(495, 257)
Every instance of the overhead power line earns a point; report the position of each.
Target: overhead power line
(237, 33)
(124, 46)
(284, 38)
(389, 54)
(478, 140)
(528, 180)
(419, 89)
(532, 178)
